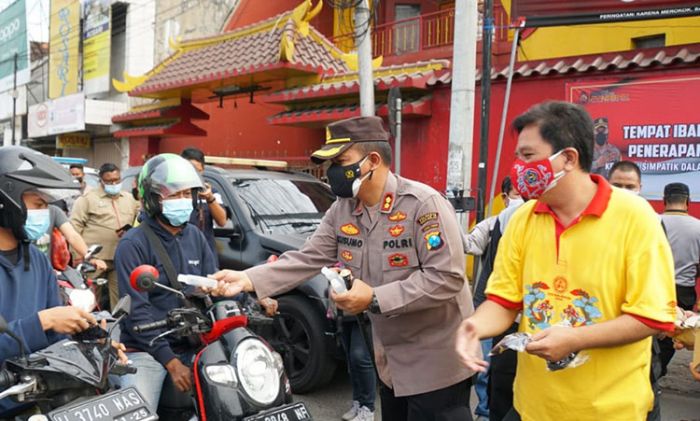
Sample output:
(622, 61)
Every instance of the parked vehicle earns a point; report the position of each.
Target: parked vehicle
(236, 374)
(68, 381)
(272, 212)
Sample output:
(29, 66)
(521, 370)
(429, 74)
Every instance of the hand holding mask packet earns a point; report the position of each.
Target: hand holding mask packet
(519, 341)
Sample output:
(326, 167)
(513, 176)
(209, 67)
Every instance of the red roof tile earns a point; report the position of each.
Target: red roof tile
(321, 115)
(402, 76)
(243, 51)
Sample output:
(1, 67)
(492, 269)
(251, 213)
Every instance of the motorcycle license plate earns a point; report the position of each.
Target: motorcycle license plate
(120, 405)
(293, 412)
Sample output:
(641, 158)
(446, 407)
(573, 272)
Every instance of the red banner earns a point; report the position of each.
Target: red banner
(651, 121)
(534, 13)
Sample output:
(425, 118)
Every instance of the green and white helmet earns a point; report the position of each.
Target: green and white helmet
(163, 175)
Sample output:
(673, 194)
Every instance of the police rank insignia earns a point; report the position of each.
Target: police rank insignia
(350, 229)
(430, 216)
(398, 260)
(387, 202)
(396, 230)
(397, 216)
(346, 255)
(433, 240)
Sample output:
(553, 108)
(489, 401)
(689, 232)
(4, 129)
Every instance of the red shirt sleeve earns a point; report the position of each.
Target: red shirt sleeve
(666, 327)
(504, 303)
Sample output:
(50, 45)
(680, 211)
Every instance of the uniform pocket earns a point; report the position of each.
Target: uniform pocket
(351, 258)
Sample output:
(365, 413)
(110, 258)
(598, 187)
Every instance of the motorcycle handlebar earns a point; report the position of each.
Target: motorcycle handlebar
(150, 326)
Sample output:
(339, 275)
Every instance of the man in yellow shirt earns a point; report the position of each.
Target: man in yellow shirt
(591, 271)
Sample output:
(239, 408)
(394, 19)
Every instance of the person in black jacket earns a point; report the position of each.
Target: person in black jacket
(168, 186)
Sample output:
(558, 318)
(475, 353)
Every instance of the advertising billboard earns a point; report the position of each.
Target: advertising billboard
(96, 45)
(14, 40)
(534, 13)
(652, 122)
(64, 40)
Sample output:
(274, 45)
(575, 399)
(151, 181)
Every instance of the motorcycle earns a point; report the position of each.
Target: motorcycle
(237, 375)
(76, 288)
(68, 381)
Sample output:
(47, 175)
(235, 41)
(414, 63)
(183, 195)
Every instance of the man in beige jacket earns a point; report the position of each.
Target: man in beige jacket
(99, 217)
(401, 240)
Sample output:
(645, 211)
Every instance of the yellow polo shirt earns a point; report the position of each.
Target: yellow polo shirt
(613, 260)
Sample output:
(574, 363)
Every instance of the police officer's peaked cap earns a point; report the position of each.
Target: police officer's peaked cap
(676, 189)
(342, 134)
(600, 122)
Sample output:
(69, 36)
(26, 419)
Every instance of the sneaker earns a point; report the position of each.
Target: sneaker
(352, 413)
(364, 414)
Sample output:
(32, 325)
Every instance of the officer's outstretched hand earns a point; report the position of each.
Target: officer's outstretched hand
(66, 319)
(356, 300)
(231, 283)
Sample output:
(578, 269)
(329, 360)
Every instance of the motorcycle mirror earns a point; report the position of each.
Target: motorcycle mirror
(144, 278)
(83, 299)
(123, 307)
(92, 251)
(4, 327)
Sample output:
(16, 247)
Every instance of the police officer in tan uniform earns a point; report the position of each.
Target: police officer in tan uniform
(401, 240)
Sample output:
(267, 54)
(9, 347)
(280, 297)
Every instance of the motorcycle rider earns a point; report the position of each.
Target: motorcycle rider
(168, 186)
(29, 298)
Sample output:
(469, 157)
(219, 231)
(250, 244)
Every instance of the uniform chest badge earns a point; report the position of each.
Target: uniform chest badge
(350, 229)
(346, 255)
(398, 260)
(396, 230)
(433, 240)
(397, 216)
(387, 202)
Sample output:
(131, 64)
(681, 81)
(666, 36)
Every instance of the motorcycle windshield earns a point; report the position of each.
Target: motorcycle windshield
(81, 360)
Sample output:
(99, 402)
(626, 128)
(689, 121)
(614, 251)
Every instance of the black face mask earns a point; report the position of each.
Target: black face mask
(601, 138)
(345, 180)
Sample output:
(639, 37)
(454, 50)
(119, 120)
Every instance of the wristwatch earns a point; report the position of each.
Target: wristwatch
(212, 200)
(374, 305)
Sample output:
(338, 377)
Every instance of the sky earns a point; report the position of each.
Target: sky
(38, 18)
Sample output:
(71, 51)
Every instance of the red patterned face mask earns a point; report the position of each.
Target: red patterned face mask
(533, 179)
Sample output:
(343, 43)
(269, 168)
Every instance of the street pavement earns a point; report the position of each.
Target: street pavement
(680, 399)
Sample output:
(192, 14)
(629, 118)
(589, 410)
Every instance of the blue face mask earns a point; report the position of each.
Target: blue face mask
(177, 211)
(37, 224)
(113, 189)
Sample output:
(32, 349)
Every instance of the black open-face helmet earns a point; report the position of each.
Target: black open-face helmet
(23, 169)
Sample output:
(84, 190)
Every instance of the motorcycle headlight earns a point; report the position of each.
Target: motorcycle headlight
(222, 374)
(258, 371)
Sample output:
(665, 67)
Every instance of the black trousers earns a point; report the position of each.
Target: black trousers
(448, 404)
(501, 379)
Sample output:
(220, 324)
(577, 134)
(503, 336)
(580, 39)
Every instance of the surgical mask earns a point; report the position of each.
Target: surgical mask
(177, 211)
(601, 138)
(37, 224)
(113, 189)
(345, 181)
(533, 179)
(514, 203)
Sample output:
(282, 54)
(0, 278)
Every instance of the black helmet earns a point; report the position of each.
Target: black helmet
(23, 169)
(164, 175)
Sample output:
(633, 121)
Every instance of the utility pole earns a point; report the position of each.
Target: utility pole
(14, 99)
(487, 38)
(462, 103)
(363, 42)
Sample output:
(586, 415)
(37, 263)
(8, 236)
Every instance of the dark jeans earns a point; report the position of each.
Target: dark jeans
(686, 300)
(448, 404)
(501, 379)
(362, 374)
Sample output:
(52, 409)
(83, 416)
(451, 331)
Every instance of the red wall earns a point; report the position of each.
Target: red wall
(244, 131)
